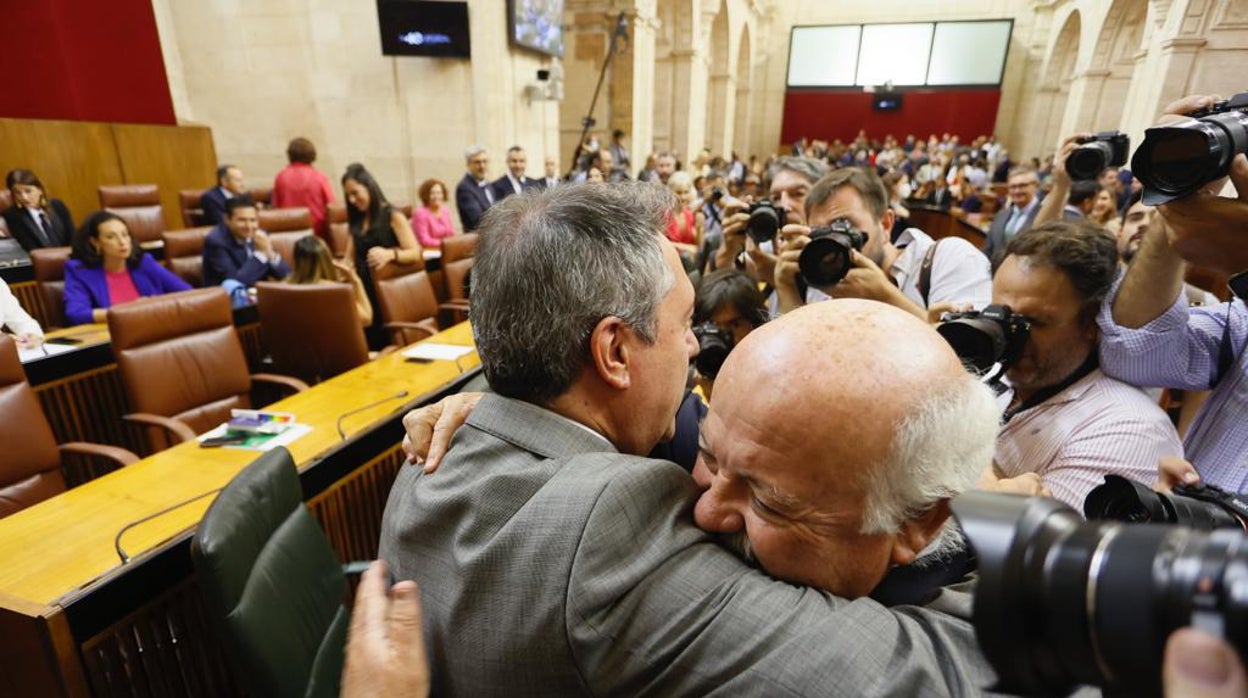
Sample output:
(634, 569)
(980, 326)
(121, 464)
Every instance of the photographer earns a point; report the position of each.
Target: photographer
(915, 273)
(791, 179)
(726, 308)
(1151, 337)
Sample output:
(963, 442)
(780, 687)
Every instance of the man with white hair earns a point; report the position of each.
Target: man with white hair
(474, 193)
(556, 560)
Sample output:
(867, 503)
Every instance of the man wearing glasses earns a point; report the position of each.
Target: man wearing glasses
(1019, 215)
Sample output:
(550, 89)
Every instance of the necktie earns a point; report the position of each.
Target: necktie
(45, 232)
(489, 193)
(1015, 222)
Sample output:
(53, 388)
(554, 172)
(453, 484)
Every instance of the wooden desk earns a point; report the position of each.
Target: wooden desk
(74, 620)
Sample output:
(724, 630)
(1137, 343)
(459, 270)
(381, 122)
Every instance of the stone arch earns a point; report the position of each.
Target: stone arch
(744, 119)
(1111, 66)
(719, 96)
(1059, 69)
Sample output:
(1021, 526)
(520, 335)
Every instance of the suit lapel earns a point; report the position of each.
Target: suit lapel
(535, 429)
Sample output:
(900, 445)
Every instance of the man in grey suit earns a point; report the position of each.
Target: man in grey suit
(554, 561)
(1024, 186)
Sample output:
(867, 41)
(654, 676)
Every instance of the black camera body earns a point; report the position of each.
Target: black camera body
(1177, 159)
(714, 345)
(1202, 507)
(1095, 153)
(985, 337)
(766, 219)
(826, 258)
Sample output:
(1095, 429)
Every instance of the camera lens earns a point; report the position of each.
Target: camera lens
(979, 342)
(1087, 161)
(824, 262)
(1174, 161)
(1120, 499)
(763, 225)
(1062, 602)
(1178, 160)
(714, 345)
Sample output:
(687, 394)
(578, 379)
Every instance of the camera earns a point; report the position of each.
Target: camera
(1095, 153)
(1062, 602)
(985, 337)
(714, 345)
(717, 193)
(766, 219)
(825, 260)
(1177, 159)
(1200, 506)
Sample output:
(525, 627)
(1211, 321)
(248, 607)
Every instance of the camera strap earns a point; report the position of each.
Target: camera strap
(1043, 395)
(925, 272)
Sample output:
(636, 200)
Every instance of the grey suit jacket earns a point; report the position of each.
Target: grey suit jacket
(551, 565)
(996, 232)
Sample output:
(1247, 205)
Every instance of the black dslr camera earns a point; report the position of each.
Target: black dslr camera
(1095, 153)
(766, 219)
(985, 337)
(1177, 159)
(1200, 506)
(714, 345)
(1062, 601)
(826, 259)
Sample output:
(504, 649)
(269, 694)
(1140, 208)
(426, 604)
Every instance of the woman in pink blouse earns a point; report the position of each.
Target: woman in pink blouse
(432, 221)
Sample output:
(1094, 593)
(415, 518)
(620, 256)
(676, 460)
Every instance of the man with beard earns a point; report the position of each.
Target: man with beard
(1135, 223)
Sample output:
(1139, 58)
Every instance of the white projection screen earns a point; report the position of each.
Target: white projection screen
(911, 54)
(969, 53)
(824, 56)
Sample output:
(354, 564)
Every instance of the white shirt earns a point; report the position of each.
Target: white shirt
(13, 316)
(516, 184)
(1096, 427)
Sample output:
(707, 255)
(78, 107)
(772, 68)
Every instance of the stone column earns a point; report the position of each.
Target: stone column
(644, 24)
(1084, 102)
(720, 113)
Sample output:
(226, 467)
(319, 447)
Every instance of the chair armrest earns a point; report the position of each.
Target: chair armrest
(293, 384)
(402, 328)
(118, 455)
(455, 305)
(178, 430)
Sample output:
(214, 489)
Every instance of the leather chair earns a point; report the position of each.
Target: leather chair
(339, 232)
(456, 276)
(272, 584)
(49, 265)
(458, 247)
(30, 462)
(189, 201)
(139, 206)
(312, 331)
(262, 196)
(182, 365)
(405, 207)
(409, 308)
(285, 227)
(184, 253)
(6, 200)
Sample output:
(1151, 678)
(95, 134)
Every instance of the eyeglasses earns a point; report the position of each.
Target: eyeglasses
(1022, 185)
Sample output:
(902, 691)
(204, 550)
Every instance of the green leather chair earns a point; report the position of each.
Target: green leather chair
(272, 583)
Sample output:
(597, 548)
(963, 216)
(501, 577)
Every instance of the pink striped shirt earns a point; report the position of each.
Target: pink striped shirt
(1096, 427)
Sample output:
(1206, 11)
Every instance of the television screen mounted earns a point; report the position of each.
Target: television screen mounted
(537, 25)
(422, 28)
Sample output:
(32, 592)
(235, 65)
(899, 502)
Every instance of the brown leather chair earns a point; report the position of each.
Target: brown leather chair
(312, 331)
(456, 276)
(139, 206)
(184, 253)
(262, 196)
(458, 247)
(339, 232)
(408, 307)
(405, 207)
(189, 201)
(182, 365)
(49, 265)
(30, 462)
(285, 226)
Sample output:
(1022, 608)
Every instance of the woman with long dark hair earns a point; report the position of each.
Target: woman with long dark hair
(35, 220)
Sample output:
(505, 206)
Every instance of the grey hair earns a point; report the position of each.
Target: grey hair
(552, 265)
(473, 151)
(939, 450)
(810, 169)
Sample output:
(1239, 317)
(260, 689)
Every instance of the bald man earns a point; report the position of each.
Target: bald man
(553, 563)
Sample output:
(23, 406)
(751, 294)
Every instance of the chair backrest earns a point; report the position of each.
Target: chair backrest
(139, 206)
(407, 298)
(459, 246)
(456, 274)
(189, 201)
(184, 253)
(339, 231)
(285, 220)
(272, 584)
(49, 264)
(312, 331)
(178, 356)
(404, 207)
(261, 195)
(30, 464)
(6, 200)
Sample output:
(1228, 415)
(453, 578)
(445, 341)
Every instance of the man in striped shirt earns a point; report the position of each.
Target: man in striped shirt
(1065, 420)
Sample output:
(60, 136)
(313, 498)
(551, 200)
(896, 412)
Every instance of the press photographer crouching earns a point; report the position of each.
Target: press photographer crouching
(727, 307)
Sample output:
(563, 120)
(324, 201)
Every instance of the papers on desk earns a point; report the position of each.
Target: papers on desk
(258, 442)
(436, 352)
(48, 349)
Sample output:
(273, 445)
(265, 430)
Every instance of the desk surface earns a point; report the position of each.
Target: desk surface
(65, 543)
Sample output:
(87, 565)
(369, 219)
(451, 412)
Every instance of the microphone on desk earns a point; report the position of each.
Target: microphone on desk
(343, 434)
(121, 552)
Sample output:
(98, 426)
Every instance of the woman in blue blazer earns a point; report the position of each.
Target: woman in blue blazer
(106, 268)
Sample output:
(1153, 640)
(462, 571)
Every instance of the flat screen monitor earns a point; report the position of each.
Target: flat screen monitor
(886, 101)
(536, 25)
(422, 28)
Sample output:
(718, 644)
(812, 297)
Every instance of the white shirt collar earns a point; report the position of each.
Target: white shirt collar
(604, 439)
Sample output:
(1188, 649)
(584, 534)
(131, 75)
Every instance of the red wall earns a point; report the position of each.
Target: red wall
(828, 115)
(83, 60)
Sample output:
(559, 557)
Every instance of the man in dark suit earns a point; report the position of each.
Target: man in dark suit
(553, 560)
(1024, 186)
(474, 194)
(230, 184)
(552, 174)
(514, 181)
(238, 250)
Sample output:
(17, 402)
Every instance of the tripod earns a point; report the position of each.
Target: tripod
(588, 121)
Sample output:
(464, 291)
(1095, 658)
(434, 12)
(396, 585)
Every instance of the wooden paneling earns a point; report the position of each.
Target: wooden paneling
(171, 157)
(27, 293)
(73, 158)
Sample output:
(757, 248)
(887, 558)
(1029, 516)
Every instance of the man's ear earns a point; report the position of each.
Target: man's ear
(610, 351)
(887, 220)
(917, 533)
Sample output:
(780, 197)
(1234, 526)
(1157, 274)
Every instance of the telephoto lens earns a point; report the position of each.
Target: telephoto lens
(766, 219)
(1177, 159)
(714, 345)
(1063, 602)
(1202, 507)
(982, 338)
(1095, 153)
(826, 259)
